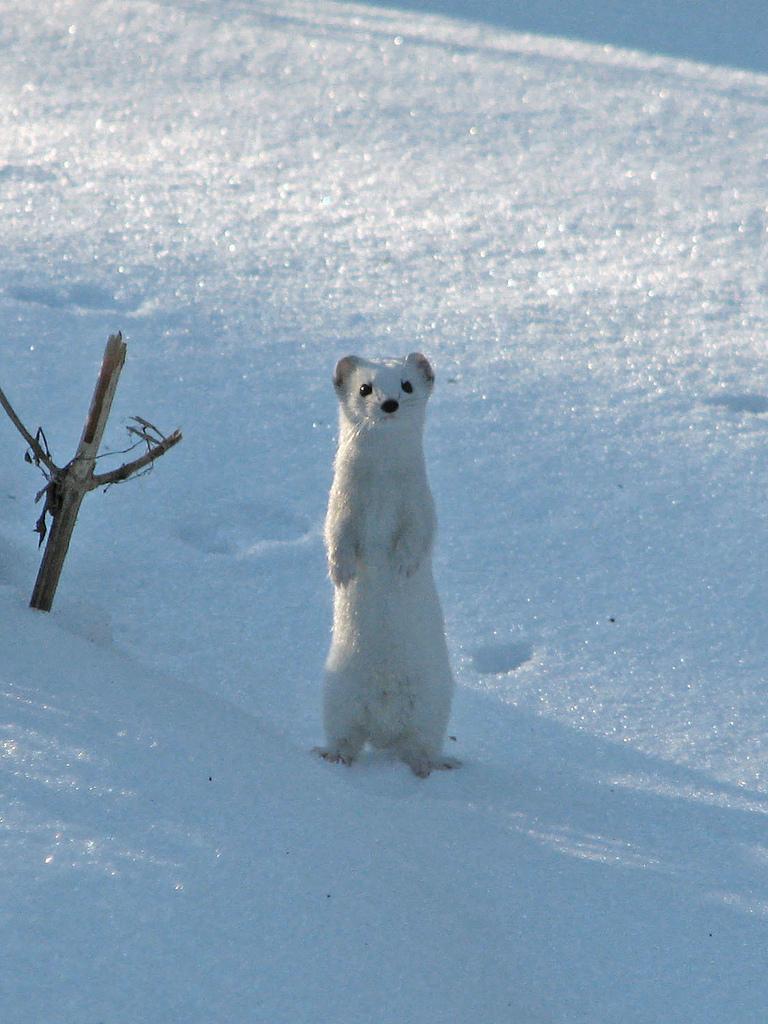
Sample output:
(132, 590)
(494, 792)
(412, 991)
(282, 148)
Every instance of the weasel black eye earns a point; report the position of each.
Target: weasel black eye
(406, 386)
(365, 390)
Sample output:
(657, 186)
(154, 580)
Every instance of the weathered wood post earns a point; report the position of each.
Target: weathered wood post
(75, 479)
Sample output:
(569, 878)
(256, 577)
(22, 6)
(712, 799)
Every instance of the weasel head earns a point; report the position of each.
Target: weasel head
(390, 395)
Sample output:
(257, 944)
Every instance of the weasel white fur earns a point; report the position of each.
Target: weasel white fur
(388, 679)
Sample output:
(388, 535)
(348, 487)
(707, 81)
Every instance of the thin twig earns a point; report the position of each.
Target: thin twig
(120, 451)
(40, 454)
(129, 468)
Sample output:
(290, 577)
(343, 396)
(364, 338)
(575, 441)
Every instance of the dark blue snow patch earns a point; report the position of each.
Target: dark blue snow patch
(25, 172)
(709, 31)
(80, 295)
(42, 296)
(500, 658)
(740, 402)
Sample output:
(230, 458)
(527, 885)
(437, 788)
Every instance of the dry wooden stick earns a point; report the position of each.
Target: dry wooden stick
(67, 486)
(73, 482)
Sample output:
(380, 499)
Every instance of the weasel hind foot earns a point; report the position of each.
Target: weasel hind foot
(333, 756)
(423, 767)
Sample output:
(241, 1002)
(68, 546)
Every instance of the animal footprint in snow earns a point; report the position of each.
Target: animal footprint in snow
(251, 529)
(740, 402)
(500, 658)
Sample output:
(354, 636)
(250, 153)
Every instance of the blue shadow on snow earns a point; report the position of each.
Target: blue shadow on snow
(709, 31)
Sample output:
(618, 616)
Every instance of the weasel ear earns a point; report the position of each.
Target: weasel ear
(343, 369)
(423, 365)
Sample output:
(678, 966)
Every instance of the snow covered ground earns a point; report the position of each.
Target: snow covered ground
(577, 239)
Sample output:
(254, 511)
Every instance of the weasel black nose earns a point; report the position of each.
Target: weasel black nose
(390, 405)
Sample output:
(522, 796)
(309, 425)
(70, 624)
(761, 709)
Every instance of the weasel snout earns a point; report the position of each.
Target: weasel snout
(390, 405)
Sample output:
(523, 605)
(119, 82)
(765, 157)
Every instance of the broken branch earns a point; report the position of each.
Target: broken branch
(40, 454)
(66, 487)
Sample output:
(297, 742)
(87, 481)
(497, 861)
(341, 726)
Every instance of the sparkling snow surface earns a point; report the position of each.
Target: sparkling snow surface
(578, 239)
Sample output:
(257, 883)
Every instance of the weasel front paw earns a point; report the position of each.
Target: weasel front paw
(411, 546)
(342, 568)
(407, 557)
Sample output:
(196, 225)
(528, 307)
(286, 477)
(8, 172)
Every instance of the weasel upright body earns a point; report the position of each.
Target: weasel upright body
(388, 679)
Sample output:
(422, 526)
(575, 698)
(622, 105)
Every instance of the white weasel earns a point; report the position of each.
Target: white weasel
(388, 679)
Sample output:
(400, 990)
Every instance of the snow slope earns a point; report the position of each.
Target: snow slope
(577, 238)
